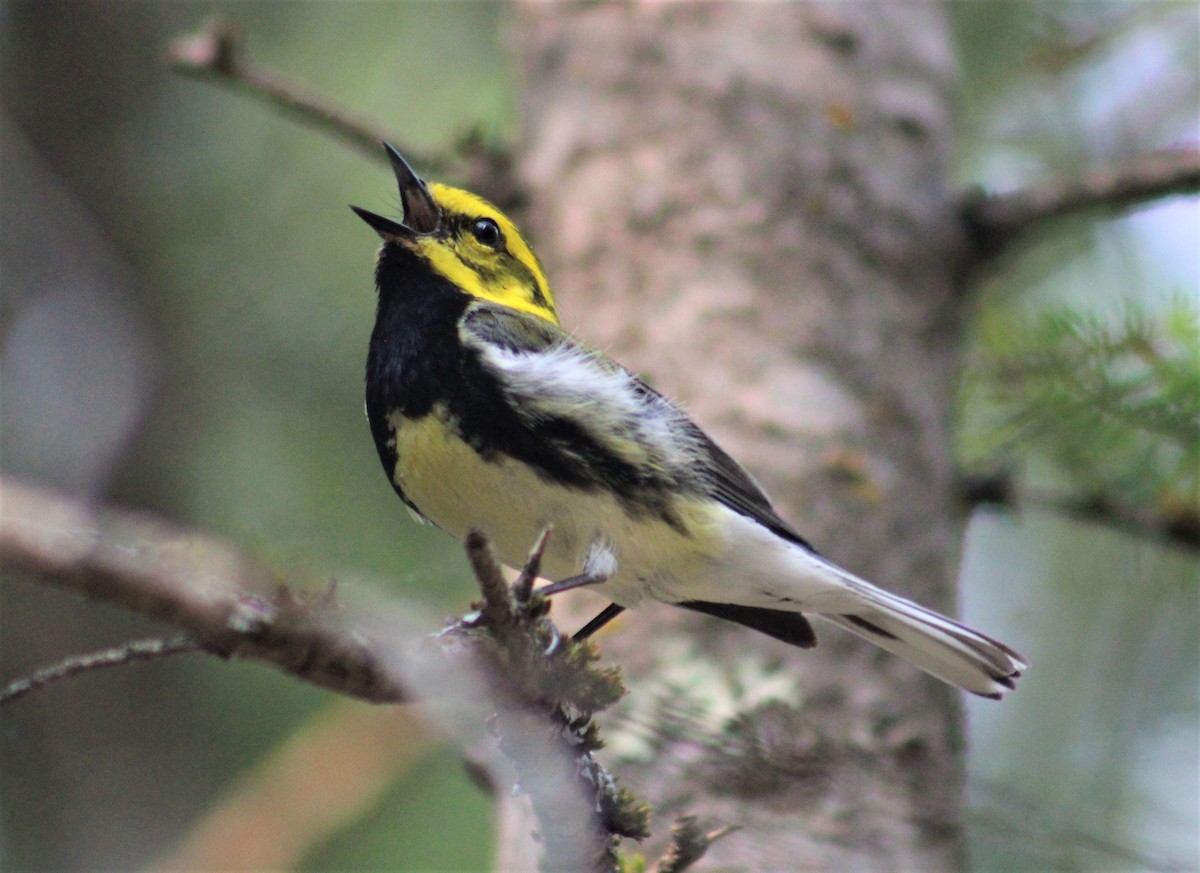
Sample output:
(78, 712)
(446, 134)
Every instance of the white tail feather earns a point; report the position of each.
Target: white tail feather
(937, 644)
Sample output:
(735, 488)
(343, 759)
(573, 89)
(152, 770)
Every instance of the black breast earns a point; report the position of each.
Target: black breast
(415, 352)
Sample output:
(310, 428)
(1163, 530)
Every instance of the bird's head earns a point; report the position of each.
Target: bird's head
(467, 240)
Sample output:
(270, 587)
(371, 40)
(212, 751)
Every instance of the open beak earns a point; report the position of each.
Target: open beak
(421, 213)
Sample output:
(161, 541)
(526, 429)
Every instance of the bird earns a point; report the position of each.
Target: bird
(488, 415)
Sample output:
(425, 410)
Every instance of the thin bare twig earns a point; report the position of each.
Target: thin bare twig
(216, 54)
(995, 221)
(127, 653)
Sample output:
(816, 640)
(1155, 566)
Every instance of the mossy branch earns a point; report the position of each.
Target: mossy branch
(689, 842)
(506, 657)
(547, 690)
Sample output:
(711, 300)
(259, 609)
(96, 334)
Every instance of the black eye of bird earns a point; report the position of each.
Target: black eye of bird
(487, 233)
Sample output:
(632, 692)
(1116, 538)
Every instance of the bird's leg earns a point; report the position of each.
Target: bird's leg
(599, 565)
(608, 614)
(571, 582)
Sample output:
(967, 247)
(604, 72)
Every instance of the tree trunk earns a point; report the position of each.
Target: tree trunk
(748, 204)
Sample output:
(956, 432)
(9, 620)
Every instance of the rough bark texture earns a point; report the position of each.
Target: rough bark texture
(748, 204)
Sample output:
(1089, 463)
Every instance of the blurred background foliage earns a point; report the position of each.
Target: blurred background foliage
(185, 307)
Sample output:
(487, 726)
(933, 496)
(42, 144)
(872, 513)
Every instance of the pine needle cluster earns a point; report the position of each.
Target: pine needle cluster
(1105, 411)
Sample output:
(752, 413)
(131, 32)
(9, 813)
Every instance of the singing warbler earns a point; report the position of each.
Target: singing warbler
(488, 415)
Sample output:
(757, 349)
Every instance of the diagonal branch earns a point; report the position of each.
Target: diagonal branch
(994, 222)
(215, 54)
(228, 602)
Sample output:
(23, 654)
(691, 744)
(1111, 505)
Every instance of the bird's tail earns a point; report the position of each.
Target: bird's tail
(939, 645)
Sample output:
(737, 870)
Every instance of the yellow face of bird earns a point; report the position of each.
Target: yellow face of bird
(479, 249)
(467, 240)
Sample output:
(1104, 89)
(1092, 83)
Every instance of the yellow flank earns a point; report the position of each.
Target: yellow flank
(458, 490)
(483, 273)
